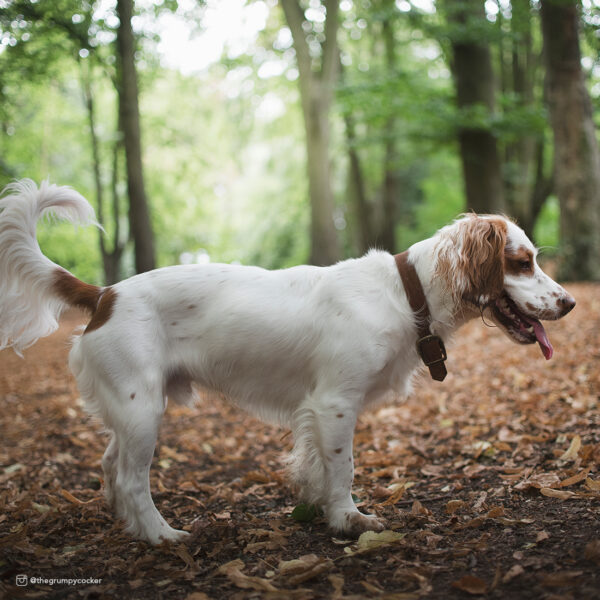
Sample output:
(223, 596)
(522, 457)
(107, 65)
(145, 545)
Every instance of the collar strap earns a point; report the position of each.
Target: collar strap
(429, 347)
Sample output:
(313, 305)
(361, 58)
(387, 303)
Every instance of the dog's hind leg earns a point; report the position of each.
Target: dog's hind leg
(136, 426)
(132, 408)
(109, 467)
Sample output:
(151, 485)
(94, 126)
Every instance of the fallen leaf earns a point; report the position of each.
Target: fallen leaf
(233, 571)
(304, 568)
(571, 453)
(592, 484)
(539, 480)
(67, 495)
(541, 536)
(575, 478)
(560, 494)
(370, 540)
(559, 579)
(454, 505)
(513, 572)
(471, 585)
(592, 551)
(304, 513)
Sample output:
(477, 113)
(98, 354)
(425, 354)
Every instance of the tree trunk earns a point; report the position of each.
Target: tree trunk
(576, 153)
(387, 236)
(139, 217)
(475, 89)
(357, 191)
(316, 93)
(110, 258)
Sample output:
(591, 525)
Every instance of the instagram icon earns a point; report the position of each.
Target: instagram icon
(21, 580)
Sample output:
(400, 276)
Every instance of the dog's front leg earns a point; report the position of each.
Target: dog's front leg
(323, 467)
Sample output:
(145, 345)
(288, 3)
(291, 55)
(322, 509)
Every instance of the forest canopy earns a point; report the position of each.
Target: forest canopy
(278, 133)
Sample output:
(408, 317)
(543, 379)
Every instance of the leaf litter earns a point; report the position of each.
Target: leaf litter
(489, 482)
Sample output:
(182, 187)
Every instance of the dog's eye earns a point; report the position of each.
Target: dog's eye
(524, 265)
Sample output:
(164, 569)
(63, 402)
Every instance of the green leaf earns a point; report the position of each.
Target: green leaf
(305, 513)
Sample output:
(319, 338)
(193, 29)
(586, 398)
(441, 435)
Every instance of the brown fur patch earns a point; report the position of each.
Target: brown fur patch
(75, 292)
(98, 301)
(104, 310)
(473, 265)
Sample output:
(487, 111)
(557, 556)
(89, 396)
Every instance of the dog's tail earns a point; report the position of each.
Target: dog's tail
(33, 289)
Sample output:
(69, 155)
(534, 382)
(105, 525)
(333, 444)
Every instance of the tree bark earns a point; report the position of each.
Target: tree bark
(387, 236)
(111, 259)
(139, 216)
(475, 88)
(576, 153)
(357, 191)
(316, 94)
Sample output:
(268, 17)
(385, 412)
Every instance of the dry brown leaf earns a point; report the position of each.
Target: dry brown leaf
(337, 581)
(471, 585)
(573, 450)
(574, 478)
(233, 571)
(304, 568)
(541, 536)
(592, 484)
(371, 540)
(176, 456)
(67, 495)
(418, 509)
(513, 572)
(560, 579)
(560, 494)
(538, 480)
(453, 506)
(592, 551)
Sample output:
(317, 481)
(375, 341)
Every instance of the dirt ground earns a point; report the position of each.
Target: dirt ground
(490, 482)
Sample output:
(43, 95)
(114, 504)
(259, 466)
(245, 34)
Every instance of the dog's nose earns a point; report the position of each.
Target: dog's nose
(566, 304)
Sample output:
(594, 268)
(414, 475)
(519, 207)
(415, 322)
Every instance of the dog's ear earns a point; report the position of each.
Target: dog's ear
(481, 258)
(470, 258)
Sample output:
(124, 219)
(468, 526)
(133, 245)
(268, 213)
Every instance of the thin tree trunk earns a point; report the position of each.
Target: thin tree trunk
(357, 191)
(387, 237)
(576, 153)
(110, 258)
(316, 93)
(475, 88)
(139, 217)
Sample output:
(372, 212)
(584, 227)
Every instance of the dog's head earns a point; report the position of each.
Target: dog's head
(488, 265)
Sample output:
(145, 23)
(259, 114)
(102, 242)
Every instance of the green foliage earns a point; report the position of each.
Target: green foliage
(442, 200)
(546, 230)
(224, 154)
(74, 248)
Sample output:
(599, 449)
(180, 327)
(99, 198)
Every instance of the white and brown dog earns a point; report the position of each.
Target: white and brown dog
(308, 347)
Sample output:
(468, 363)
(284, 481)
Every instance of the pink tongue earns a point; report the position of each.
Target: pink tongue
(542, 338)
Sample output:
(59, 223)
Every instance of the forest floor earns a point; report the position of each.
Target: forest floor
(489, 481)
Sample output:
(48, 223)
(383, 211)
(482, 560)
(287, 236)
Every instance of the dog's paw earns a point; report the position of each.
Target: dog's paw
(354, 523)
(162, 534)
(175, 535)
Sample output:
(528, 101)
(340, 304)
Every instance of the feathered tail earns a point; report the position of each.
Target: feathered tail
(33, 289)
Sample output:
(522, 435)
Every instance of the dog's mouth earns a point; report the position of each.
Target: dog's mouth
(522, 328)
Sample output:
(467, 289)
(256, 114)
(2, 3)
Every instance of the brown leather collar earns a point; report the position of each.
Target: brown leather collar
(429, 347)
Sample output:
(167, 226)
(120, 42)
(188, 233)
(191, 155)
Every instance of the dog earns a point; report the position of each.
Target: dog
(308, 347)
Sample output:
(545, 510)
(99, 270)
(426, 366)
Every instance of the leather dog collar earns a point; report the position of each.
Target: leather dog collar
(430, 347)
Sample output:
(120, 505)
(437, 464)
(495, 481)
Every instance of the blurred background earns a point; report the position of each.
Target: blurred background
(279, 133)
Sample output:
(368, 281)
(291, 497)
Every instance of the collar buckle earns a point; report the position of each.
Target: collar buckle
(431, 349)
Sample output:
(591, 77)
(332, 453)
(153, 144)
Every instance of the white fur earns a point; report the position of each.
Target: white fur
(28, 310)
(307, 347)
